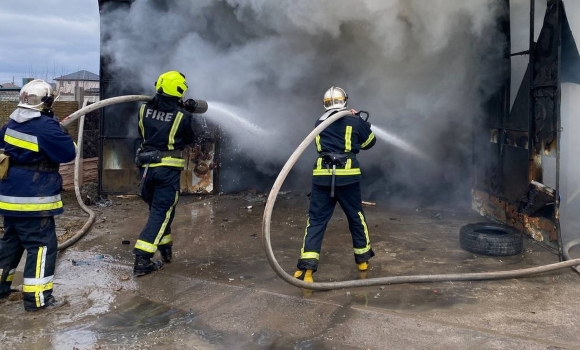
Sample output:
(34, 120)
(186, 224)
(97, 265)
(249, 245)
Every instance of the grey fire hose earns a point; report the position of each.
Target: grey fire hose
(66, 121)
(372, 281)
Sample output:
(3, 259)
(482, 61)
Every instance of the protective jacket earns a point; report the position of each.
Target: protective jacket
(36, 145)
(338, 145)
(164, 126)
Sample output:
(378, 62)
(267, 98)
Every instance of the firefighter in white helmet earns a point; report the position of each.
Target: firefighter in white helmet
(336, 178)
(34, 145)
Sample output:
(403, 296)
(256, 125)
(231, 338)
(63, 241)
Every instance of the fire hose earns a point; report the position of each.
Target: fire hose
(194, 106)
(66, 121)
(266, 239)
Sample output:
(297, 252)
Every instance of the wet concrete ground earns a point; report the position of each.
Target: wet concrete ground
(220, 292)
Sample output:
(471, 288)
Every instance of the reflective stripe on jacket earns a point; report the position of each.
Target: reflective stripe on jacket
(30, 139)
(165, 126)
(347, 135)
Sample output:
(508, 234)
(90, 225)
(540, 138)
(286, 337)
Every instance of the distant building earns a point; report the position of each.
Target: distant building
(9, 92)
(89, 82)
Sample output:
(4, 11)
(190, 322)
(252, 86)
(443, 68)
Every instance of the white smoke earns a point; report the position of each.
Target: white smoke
(422, 68)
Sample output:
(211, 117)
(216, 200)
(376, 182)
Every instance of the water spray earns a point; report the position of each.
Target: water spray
(222, 110)
(398, 142)
(266, 239)
(393, 139)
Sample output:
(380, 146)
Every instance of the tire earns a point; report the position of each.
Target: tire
(491, 239)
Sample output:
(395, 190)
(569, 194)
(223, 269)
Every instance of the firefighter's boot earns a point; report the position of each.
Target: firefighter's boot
(145, 266)
(166, 254)
(50, 304)
(363, 266)
(306, 276)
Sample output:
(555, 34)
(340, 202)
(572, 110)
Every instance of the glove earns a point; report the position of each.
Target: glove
(190, 105)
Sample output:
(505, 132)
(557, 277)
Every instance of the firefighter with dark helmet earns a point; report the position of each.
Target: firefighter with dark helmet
(34, 145)
(166, 126)
(336, 178)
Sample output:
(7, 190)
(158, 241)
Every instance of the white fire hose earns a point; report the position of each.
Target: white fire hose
(66, 121)
(380, 280)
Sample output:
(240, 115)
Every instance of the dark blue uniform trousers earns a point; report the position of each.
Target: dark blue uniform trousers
(36, 235)
(160, 189)
(321, 209)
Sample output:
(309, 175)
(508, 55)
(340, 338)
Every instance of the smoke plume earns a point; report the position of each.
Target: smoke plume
(421, 68)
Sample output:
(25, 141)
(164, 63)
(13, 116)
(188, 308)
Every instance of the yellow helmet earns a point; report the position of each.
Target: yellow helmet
(171, 83)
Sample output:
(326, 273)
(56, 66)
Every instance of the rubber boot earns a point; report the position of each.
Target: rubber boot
(363, 266)
(50, 304)
(306, 276)
(166, 254)
(144, 266)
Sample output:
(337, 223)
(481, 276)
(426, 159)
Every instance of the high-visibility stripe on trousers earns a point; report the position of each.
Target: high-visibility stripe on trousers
(37, 236)
(319, 213)
(160, 190)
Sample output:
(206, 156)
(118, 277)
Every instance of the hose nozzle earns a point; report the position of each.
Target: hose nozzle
(195, 106)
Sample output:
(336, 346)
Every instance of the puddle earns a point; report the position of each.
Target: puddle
(137, 315)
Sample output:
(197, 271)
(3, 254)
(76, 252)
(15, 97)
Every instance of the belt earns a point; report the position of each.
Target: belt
(334, 160)
(38, 166)
(338, 159)
(349, 155)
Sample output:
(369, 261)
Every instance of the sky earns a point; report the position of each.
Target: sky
(47, 39)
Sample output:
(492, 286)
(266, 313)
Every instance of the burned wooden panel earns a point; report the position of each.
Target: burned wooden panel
(539, 228)
(200, 170)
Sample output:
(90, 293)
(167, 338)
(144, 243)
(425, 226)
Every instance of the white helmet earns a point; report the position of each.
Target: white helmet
(37, 95)
(335, 97)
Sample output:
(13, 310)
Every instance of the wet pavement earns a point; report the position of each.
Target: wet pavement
(220, 292)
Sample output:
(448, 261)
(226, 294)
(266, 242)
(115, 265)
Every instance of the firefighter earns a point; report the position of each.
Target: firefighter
(34, 144)
(166, 126)
(336, 178)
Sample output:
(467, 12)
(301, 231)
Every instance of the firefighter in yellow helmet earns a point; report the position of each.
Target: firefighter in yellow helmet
(166, 126)
(336, 178)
